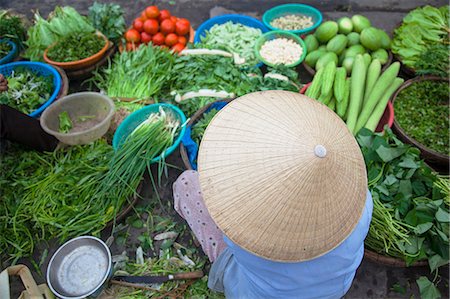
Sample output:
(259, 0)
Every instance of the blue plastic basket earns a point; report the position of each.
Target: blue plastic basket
(235, 18)
(41, 69)
(12, 53)
(292, 9)
(137, 117)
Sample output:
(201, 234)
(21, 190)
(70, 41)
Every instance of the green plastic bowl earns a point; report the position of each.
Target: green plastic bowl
(137, 117)
(279, 34)
(292, 9)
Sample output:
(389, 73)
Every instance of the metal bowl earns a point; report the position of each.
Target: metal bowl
(79, 268)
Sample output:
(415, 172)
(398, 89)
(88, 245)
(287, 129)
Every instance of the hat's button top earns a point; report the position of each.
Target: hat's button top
(320, 151)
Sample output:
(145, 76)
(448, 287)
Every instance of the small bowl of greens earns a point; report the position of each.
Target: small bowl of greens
(77, 50)
(78, 118)
(422, 119)
(8, 51)
(32, 86)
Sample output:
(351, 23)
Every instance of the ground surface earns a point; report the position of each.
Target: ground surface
(372, 280)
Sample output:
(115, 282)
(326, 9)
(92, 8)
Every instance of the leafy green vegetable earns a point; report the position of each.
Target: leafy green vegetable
(12, 27)
(422, 111)
(198, 129)
(65, 124)
(139, 74)
(409, 211)
(235, 38)
(421, 29)
(434, 61)
(26, 90)
(108, 19)
(61, 22)
(427, 289)
(5, 48)
(76, 46)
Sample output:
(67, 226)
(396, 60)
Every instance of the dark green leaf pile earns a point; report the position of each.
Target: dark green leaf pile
(11, 27)
(108, 19)
(76, 46)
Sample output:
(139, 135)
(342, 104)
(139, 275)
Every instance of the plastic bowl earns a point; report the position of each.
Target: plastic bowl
(41, 69)
(292, 9)
(137, 117)
(236, 19)
(82, 63)
(78, 105)
(386, 119)
(12, 53)
(279, 34)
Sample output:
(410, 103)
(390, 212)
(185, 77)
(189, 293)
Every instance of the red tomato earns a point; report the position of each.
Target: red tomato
(167, 26)
(132, 35)
(173, 19)
(181, 28)
(145, 37)
(138, 24)
(152, 12)
(177, 48)
(185, 21)
(164, 14)
(171, 39)
(132, 46)
(182, 40)
(158, 39)
(143, 16)
(151, 26)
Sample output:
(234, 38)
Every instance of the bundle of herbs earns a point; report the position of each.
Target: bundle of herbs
(421, 110)
(54, 195)
(108, 19)
(26, 90)
(76, 46)
(410, 216)
(138, 74)
(12, 27)
(62, 22)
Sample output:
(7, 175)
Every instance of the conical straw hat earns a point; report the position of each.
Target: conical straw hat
(282, 176)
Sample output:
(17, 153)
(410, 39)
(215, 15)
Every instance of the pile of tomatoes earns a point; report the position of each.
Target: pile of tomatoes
(160, 28)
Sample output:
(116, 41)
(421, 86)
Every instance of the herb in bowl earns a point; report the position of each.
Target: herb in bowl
(26, 90)
(421, 110)
(76, 46)
(11, 27)
(5, 48)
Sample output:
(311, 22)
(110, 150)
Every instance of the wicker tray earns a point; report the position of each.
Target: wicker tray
(390, 261)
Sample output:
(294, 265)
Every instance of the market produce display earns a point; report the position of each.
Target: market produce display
(422, 40)
(108, 19)
(341, 41)
(421, 110)
(361, 99)
(279, 48)
(411, 203)
(198, 129)
(235, 38)
(76, 46)
(292, 22)
(12, 27)
(160, 28)
(26, 90)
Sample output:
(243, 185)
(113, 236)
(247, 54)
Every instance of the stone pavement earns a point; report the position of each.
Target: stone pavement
(372, 280)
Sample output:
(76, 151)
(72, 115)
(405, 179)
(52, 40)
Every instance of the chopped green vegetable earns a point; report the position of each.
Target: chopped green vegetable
(12, 27)
(421, 110)
(65, 124)
(76, 46)
(26, 90)
(108, 19)
(434, 61)
(235, 38)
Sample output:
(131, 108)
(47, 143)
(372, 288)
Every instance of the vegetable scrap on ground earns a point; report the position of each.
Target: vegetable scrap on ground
(79, 190)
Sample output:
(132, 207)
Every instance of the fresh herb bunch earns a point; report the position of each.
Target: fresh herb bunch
(76, 46)
(53, 195)
(26, 90)
(434, 61)
(60, 23)
(198, 129)
(410, 216)
(108, 19)
(12, 27)
(421, 110)
(420, 29)
(5, 48)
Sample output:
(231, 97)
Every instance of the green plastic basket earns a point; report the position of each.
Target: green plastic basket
(279, 34)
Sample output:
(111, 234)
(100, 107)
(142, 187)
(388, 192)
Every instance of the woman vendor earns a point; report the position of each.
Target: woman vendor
(280, 202)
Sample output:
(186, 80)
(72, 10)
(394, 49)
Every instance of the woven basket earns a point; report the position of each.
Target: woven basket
(193, 119)
(390, 261)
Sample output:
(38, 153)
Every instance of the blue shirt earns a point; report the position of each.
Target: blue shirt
(241, 274)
